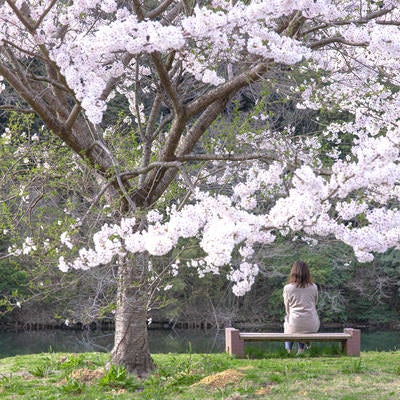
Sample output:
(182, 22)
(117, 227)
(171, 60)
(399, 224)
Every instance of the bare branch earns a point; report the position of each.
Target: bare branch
(17, 109)
(166, 83)
(226, 157)
(53, 82)
(391, 22)
(202, 123)
(360, 21)
(125, 193)
(45, 12)
(15, 66)
(148, 136)
(27, 52)
(336, 39)
(153, 115)
(72, 116)
(226, 89)
(137, 108)
(37, 104)
(166, 120)
(157, 182)
(138, 9)
(126, 59)
(186, 178)
(293, 26)
(30, 81)
(157, 164)
(367, 18)
(99, 150)
(20, 14)
(96, 200)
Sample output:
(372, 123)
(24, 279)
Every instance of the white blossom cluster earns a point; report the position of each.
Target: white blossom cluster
(88, 45)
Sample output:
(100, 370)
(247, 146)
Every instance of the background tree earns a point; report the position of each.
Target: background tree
(44, 187)
(178, 65)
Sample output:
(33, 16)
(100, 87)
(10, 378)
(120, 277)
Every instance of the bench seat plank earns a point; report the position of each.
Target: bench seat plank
(279, 337)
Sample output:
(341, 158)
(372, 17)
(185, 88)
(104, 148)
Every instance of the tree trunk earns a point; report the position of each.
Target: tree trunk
(131, 345)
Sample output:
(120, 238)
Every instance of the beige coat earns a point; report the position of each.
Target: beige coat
(300, 305)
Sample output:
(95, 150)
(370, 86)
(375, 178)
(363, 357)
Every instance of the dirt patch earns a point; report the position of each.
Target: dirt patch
(221, 379)
(245, 368)
(87, 375)
(24, 374)
(263, 390)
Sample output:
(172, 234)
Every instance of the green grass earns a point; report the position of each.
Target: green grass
(47, 376)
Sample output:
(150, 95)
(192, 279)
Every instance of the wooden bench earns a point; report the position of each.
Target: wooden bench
(349, 338)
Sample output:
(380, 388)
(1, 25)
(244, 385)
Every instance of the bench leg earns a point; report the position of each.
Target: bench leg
(234, 345)
(353, 345)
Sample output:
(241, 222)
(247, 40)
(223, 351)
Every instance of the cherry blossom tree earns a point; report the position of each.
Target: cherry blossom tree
(178, 64)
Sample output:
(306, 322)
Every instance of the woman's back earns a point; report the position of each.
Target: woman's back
(300, 306)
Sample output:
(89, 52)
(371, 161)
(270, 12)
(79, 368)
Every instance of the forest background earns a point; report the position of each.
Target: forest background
(35, 193)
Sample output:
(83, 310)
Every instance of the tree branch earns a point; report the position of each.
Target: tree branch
(166, 120)
(243, 157)
(162, 165)
(17, 109)
(46, 11)
(294, 25)
(157, 182)
(72, 116)
(110, 86)
(336, 39)
(148, 136)
(158, 10)
(20, 14)
(155, 108)
(138, 9)
(37, 104)
(19, 48)
(52, 82)
(202, 123)
(96, 200)
(156, 164)
(166, 83)
(226, 89)
(227, 157)
(360, 21)
(391, 22)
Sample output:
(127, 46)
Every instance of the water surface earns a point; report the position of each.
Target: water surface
(161, 341)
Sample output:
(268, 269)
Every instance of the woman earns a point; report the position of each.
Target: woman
(300, 297)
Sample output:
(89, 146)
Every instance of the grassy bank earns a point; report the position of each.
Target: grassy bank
(375, 375)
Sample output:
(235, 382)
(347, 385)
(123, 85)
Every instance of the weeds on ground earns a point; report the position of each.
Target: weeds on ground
(117, 378)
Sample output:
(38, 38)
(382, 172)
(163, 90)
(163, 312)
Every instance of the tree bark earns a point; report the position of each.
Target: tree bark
(131, 346)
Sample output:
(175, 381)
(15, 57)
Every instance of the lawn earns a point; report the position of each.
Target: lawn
(375, 375)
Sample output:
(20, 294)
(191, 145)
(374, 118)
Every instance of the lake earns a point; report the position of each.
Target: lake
(161, 341)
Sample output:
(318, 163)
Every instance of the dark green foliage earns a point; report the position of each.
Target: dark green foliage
(373, 295)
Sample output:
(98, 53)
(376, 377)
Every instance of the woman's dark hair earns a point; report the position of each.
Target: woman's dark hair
(300, 274)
